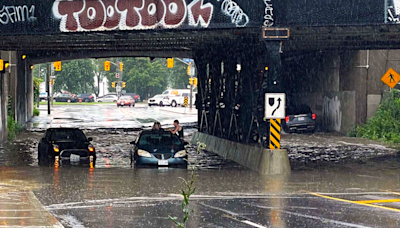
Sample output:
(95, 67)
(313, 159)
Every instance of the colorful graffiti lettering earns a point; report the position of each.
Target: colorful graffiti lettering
(94, 15)
(14, 14)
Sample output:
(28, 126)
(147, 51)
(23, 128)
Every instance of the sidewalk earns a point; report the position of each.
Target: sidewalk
(21, 208)
(180, 110)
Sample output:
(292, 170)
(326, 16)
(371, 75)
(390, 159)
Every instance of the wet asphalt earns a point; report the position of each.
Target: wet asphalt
(363, 193)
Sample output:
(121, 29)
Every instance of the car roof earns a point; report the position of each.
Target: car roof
(58, 129)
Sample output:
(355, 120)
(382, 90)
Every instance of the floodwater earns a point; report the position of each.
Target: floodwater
(114, 194)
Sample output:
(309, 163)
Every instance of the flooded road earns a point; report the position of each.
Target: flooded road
(362, 193)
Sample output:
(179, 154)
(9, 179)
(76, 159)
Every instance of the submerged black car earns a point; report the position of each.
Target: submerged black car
(299, 118)
(65, 145)
(159, 149)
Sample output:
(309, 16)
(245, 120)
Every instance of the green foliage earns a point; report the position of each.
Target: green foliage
(148, 78)
(13, 127)
(385, 124)
(36, 88)
(76, 76)
(36, 111)
(187, 192)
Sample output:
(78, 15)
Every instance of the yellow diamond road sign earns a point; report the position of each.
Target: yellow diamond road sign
(391, 78)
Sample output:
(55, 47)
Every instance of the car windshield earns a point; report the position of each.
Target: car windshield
(298, 110)
(158, 96)
(159, 139)
(67, 134)
(125, 98)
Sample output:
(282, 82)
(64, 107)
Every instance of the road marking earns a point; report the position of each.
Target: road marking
(394, 193)
(324, 219)
(253, 224)
(355, 202)
(379, 201)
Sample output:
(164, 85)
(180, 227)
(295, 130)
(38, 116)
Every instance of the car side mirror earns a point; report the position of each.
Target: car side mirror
(90, 139)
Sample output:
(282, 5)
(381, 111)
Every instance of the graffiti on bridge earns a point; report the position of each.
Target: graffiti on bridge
(269, 13)
(14, 14)
(92, 15)
(233, 10)
(393, 11)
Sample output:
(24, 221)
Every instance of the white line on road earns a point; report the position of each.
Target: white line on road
(253, 224)
(325, 220)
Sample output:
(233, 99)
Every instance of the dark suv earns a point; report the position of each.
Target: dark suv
(65, 97)
(85, 98)
(65, 145)
(299, 118)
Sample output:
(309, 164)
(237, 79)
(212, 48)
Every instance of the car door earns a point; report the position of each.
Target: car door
(61, 98)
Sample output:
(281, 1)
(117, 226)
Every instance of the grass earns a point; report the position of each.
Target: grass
(13, 127)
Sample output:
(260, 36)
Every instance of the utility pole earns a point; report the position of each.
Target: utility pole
(48, 88)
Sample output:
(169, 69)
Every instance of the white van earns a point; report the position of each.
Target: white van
(175, 92)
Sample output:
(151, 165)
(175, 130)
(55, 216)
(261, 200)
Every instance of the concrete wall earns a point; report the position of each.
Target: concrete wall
(16, 84)
(347, 83)
(266, 162)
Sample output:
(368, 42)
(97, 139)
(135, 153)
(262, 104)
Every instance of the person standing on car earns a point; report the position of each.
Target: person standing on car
(177, 129)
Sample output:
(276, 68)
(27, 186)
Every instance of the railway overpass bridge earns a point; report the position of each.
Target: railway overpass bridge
(325, 53)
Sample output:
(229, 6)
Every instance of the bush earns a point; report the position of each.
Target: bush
(36, 111)
(385, 124)
(13, 127)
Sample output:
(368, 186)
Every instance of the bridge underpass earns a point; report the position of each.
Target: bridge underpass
(323, 64)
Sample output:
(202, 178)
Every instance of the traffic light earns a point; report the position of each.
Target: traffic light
(170, 63)
(23, 57)
(191, 81)
(121, 66)
(107, 65)
(195, 81)
(57, 65)
(188, 70)
(3, 66)
(123, 84)
(113, 84)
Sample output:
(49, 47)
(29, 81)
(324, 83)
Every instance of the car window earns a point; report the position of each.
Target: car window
(126, 98)
(163, 139)
(298, 110)
(166, 92)
(67, 134)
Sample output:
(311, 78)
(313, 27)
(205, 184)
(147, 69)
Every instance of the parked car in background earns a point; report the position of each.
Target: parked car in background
(85, 98)
(65, 145)
(134, 95)
(160, 100)
(299, 118)
(158, 148)
(108, 98)
(65, 97)
(126, 101)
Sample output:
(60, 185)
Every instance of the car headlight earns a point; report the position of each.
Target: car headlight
(180, 154)
(143, 153)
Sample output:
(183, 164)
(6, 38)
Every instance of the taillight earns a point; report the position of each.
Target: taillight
(314, 116)
(90, 96)
(287, 119)
(91, 149)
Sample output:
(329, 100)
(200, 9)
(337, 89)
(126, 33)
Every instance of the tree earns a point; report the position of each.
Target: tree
(76, 76)
(99, 73)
